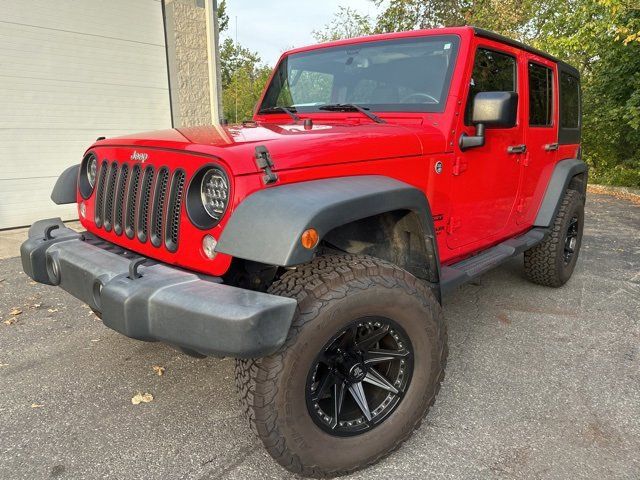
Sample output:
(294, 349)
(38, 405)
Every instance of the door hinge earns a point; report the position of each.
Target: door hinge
(453, 224)
(264, 162)
(459, 165)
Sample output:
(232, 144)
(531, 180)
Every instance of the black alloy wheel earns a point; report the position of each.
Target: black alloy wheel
(359, 377)
(571, 239)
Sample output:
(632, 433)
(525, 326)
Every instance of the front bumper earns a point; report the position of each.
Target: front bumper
(153, 301)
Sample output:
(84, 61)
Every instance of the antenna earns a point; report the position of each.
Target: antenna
(237, 48)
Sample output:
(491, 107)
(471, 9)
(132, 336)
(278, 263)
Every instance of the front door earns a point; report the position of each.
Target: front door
(541, 136)
(485, 179)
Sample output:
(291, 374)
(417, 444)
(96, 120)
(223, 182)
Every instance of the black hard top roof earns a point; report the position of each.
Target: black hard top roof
(480, 32)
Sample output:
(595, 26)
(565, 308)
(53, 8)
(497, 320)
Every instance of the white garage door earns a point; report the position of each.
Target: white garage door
(71, 71)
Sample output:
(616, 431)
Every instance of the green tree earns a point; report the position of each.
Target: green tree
(223, 17)
(243, 79)
(346, 23)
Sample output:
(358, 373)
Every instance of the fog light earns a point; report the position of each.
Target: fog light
(83, 210)
(209, 245)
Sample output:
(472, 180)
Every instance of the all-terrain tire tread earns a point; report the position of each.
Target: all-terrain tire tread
(540, 262)
(312, 285)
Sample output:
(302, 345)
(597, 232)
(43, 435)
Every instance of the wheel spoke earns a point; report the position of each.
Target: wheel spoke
(376, 356)
(373, 337)
(376, 378)
(348, 338)
(338, 399)
(357, 392)
(323, 386)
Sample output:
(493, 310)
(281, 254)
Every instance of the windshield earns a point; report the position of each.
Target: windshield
(410, 75)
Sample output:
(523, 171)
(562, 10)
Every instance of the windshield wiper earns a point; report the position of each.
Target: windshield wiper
(345, 107)
(288, 110)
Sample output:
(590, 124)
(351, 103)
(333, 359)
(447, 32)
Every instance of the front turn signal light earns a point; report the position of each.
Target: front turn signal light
(309, 238)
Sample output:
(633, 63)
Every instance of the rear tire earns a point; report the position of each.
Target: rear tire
(335, 293)
(551, 262)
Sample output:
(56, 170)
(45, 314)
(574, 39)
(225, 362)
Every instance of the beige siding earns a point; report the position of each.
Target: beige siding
(71, 71)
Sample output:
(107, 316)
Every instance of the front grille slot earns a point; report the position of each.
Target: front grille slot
(145, 202)
(109, 196)
(132, 202)
(102, 177)
(142, 202)
(120, 202)
(176, 194)
(159, 203)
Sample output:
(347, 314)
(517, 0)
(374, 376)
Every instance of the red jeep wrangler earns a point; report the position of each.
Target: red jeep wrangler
(314, 243)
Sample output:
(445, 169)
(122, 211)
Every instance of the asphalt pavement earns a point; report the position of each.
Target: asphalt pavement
(541, 383)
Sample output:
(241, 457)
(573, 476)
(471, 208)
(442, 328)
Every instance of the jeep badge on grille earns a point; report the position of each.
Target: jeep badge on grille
(139, 156)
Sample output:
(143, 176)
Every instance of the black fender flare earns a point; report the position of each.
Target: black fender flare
(266, 227)
(66, 186)
(563, 172)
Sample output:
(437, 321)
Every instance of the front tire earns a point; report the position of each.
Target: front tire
(551, 262)
(352, 311)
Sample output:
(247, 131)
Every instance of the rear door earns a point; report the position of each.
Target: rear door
(485, 179)
(541, 134)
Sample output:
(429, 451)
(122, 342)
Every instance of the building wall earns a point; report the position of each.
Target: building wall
(71, 71)
(187, 51)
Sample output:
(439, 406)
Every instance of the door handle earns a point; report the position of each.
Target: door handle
(550, 147)
(517, 149)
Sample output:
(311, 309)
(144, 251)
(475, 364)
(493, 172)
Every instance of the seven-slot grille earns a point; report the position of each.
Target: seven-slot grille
(140, 202)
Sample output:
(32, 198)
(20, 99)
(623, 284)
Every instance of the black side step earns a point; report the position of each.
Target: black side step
(452, 276)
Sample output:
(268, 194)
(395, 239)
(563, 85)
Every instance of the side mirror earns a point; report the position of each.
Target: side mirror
(490, 109)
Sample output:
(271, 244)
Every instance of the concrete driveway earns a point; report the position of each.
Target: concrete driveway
(541, 383)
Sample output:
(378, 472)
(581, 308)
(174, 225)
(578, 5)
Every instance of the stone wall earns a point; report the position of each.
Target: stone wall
(186, 29)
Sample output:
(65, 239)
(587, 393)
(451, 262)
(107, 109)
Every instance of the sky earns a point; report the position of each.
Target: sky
(270, 27)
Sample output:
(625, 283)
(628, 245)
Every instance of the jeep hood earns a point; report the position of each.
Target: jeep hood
(291, 145)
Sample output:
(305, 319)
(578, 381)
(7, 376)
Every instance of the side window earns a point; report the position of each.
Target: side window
(540, 95)
(492, 72)
(569, 101)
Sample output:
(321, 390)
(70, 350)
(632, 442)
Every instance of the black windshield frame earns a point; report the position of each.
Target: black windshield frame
(281, 75)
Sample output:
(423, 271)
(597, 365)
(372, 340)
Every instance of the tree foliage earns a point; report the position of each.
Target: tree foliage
(243, 78)
(346, 23)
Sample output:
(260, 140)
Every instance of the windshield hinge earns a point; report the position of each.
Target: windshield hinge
(264, 162)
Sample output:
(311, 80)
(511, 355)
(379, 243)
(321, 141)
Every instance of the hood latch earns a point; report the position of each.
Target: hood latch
(264, 162)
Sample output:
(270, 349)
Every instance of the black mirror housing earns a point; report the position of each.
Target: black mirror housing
(495, 109)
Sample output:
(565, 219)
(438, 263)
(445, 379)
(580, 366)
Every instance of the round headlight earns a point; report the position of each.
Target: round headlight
(214, 192)
(88, 174)
(92, 169)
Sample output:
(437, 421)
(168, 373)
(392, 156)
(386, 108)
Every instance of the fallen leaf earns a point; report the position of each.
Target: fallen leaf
(141, 398)
(37, 305)
(95, 339)
(15, 311)
(10, 321)
(4, 364)
(33, 283)
(159, 370)
(36, 405)
(52, 310)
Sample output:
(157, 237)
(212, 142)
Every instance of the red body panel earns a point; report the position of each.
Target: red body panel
(480, 197)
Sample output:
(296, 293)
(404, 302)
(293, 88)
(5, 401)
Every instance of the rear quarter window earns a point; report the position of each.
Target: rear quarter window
(569, 132)
(569, 101)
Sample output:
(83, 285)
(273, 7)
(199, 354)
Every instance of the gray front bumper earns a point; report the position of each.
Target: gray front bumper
(164, 303)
